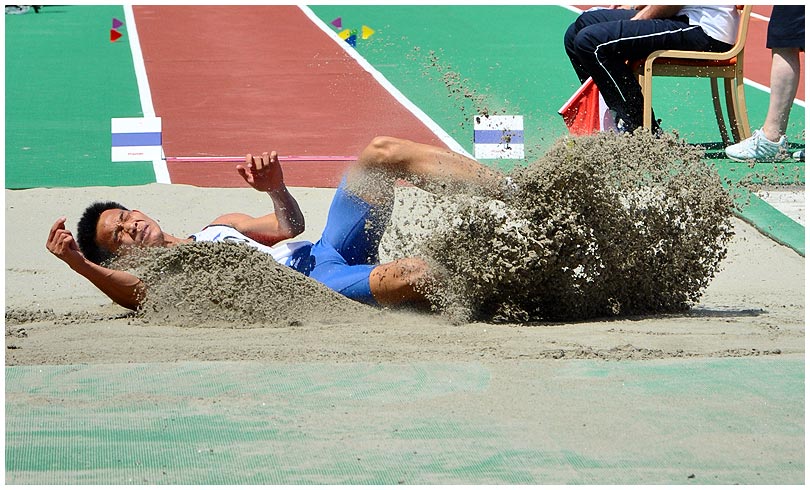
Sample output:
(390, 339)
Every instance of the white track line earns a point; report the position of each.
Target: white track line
(160, 167)
(755, 15)
(765, 88)
(399, 96)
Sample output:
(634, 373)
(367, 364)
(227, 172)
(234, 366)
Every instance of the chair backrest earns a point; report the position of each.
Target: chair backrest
(742, 30)
(735, 51)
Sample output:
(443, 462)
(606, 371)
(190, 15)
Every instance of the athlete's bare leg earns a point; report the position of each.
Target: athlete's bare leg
(386, 160)
(431, 168)
(402, 281)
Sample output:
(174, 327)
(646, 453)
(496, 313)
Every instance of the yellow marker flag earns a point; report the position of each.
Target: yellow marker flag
(367, 32)
(344, 34)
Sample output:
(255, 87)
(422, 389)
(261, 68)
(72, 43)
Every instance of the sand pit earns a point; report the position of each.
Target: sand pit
(206, 371)
(754, 304)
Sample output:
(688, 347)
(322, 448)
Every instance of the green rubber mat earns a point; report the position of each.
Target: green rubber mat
(771, 222)
(65, 80)
(534, 422)
(768, 220)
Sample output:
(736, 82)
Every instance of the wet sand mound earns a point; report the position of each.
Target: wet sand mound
(233, 285)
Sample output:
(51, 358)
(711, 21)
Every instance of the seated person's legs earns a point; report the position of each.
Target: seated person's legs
(584, 20)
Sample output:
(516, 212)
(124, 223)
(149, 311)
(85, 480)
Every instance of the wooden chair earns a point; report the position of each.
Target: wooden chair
(727, 65)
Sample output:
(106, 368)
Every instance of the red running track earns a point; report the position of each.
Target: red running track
(230, 80)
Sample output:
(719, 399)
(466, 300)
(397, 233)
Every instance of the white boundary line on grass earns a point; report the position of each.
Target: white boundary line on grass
(767, 89)
(148, 109)
(399, 96)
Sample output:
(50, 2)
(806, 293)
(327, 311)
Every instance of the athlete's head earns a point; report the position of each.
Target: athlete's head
(108, 228)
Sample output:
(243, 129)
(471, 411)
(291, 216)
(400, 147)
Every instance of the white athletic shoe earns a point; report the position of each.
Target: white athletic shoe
(758, 148)
(17, 9)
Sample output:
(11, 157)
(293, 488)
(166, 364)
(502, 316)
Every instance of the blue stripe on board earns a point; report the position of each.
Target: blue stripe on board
(498, 136)
(136, 139)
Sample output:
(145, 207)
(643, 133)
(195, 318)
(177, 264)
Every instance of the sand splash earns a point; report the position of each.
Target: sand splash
(602, 225)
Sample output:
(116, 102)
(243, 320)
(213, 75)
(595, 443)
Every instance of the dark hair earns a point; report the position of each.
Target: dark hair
(86, 233)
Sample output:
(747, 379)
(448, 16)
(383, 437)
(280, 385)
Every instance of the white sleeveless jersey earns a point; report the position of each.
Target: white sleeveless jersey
(224, 233)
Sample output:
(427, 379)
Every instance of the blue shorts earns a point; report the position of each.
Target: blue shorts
(348, 249)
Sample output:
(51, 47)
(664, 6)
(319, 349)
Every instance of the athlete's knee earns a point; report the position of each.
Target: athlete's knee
(401, 281)
(383, 152)
(413, 271)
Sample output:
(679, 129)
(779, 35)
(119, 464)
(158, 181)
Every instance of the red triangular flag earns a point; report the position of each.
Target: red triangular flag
(586, 111)
(114, 35)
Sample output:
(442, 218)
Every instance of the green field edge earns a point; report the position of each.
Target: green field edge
(769, 221)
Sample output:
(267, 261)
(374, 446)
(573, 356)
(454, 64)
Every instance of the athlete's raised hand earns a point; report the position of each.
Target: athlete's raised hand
(62, 244)
(263, 173)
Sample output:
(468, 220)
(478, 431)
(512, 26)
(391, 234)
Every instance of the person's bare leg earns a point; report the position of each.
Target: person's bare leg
(785, 71)
(429, 167)
(386, 160)
(402, 281)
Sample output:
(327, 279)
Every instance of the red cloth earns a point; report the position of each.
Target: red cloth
(586, 112)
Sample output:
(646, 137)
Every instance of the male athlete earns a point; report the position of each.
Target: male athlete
(344, 259)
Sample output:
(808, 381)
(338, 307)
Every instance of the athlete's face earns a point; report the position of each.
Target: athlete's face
(118, 230)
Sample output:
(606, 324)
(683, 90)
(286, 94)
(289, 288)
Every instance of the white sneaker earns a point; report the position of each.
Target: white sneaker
(17, 9)
(758, 148)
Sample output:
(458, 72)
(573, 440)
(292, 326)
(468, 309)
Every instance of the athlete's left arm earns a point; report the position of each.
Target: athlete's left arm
(264, 174)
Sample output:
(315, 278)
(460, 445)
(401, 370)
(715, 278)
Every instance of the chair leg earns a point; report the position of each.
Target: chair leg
(718, 112)
(740, 108)
(646, 91)
(731, 106)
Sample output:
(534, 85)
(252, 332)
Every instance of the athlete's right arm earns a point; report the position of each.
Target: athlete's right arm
(122, 287)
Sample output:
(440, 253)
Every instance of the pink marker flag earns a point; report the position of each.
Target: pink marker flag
(116, 23)
(586, 111)
(338, 22)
